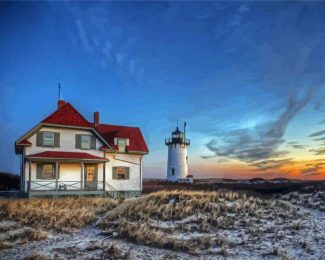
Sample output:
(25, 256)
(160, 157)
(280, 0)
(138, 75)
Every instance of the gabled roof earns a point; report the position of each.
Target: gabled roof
(67, 115)
(136, 140)
(65, 155)
(24, 142)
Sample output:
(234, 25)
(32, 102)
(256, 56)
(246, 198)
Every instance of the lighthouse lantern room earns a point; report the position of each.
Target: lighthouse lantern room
(177, 167)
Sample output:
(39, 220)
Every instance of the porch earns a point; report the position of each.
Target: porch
(66, 174)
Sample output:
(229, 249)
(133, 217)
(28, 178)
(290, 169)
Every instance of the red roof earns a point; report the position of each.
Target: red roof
(136, 140)
(24, 142)
(67, 115)
(65, 155)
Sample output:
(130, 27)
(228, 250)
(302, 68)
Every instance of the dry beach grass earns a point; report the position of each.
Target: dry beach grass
(177, 224)
(23, 220)
(61, 214)
(191, 221)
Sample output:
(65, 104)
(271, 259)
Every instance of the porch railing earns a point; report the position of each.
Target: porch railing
(68, 186)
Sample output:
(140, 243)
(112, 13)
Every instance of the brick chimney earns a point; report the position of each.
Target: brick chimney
(96, 118)
(61, 103)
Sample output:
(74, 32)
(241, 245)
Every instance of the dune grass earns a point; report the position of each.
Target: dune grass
(202, 213)
(60, 214)
(196, 222)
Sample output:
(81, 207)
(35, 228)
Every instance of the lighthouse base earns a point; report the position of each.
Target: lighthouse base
(188, 179)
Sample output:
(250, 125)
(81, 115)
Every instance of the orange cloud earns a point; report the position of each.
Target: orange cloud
(300, 169)
(306, 169)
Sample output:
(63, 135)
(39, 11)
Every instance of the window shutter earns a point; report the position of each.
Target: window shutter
(56, 139)
(127, 173)
(39, 139)
(78, 141)
(93, 143)
(127, 141)
(39, 171)
(114, 173)
(115, 140)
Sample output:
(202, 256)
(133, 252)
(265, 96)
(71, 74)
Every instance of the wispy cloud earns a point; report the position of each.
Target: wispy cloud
(107, 49)
(319, 139)
(319, 133)
(313, 169)
(202, 16)
(112, 45)
(310, 171)
(296, 145)
(320, 151)
(262, 141)
(83, 36)
(318, 104)
(271, 164)
(243, 8)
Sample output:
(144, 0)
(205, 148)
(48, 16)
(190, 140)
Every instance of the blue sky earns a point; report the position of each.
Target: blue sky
(246, 76)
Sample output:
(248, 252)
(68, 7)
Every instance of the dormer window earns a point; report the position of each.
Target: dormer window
(121, 143)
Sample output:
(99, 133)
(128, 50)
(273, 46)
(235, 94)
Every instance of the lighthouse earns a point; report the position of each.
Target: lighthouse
(177, 168)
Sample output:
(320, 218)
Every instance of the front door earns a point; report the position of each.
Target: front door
(90, 177)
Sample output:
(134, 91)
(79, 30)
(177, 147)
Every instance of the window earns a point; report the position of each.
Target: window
(48, 139)
(173, 171)
(85, 141)
(120, 173)
(121, 143)
(45, 171)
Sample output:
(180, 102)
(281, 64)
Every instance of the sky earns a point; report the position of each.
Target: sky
(247, 77)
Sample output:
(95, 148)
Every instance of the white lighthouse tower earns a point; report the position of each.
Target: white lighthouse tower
(177, 168)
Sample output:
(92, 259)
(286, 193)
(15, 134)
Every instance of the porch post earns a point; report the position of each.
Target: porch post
(29, 175)
(81, 175)
(56, 175)
(104, 177)
(22, 163)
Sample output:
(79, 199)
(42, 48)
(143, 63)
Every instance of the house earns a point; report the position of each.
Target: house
(65, 154)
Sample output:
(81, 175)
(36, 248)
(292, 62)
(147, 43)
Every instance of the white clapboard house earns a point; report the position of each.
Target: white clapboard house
(65, 154)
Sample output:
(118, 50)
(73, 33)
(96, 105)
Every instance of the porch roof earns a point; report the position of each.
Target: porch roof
(66, 156)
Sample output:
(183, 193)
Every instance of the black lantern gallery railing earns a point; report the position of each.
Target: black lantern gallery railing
(177, 141)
